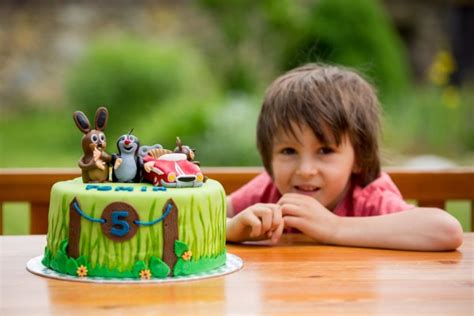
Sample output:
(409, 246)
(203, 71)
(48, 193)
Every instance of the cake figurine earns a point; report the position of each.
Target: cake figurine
(184, 149)
(95, 161)
(173, 170)
(127, 164)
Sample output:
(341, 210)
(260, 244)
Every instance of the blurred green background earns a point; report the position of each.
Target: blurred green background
(199, 70)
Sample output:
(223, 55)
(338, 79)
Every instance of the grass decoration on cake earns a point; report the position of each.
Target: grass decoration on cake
(144, 250)
(154, 268)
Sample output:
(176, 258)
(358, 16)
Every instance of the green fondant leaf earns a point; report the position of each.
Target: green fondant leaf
(178, 268)
(203, 264)
(180, 248)
(98, 271)
(158, 268)
(187, 267)
(137, 267)
(47, 257)
(63, 245)
(82, 261)
(61, 261)
(71, 267)
(53, 264)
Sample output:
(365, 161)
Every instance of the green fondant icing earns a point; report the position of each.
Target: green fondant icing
(82, 261)
(61, 260)
(46, 257)
(63, 246)
(71, 266)
(180, 248)
(183, 267)
(138, 266)
(158, 268)
(201, 225)
(68, 265)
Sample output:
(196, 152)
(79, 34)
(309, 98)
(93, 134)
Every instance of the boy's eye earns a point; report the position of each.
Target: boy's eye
(325, 150)
(288, 151)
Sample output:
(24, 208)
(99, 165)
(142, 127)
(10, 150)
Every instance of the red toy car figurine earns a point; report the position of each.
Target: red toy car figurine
(172, 170)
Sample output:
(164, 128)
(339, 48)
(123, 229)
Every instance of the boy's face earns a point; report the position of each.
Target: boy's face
(303, 165)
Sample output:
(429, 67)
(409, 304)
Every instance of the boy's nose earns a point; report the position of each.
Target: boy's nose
(307, 168)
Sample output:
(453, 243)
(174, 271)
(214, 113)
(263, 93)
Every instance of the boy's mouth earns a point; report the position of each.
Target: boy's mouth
(305, 188)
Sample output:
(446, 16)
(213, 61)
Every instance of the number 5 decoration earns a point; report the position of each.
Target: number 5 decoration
(120, 222)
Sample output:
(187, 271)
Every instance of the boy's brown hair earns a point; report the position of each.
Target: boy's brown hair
(333, 102)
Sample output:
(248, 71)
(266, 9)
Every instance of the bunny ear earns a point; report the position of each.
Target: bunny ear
(82, 122)
(101, 118)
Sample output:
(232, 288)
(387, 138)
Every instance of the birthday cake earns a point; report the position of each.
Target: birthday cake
(144, 212)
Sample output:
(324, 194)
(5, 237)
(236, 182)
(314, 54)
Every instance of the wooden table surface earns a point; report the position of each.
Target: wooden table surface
(294, 277)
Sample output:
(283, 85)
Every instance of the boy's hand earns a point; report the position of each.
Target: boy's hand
(257, 222)
(308, 216)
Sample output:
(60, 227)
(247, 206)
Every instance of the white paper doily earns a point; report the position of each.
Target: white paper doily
(233, 264)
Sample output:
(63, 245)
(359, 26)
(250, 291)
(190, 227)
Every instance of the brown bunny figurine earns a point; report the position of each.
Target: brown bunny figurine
(95, 162)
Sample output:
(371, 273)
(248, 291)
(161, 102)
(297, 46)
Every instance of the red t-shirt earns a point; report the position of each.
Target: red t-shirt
(381, 196)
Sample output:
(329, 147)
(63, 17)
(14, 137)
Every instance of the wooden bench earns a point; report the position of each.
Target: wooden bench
(428, 188)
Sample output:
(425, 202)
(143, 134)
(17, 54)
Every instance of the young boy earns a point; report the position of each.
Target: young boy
(317, 134)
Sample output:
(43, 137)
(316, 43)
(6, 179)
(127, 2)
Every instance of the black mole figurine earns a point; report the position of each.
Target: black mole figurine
(127, 164)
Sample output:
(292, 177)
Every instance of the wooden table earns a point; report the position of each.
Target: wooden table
(295, 277)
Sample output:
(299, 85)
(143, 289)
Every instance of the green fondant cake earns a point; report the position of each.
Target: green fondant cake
(135, 230)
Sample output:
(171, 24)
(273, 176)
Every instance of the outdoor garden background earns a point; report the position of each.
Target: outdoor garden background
(199, 69)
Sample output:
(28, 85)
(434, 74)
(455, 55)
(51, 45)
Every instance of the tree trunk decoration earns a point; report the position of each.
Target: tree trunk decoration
(74, 230)
(170, 235)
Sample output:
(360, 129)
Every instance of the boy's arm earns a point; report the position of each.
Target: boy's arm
(425, 229)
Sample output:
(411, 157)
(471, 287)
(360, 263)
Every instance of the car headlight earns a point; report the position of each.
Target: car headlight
(199, 177)
(171, 177)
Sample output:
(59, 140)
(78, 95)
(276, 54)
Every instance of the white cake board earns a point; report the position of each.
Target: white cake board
(233, 264)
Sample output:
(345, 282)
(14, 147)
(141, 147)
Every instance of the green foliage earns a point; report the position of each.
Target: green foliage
(135, 78)
(281, 35)
(428, 120)
(353, 33)
(44, 138)
(166, 89)
(235, 121)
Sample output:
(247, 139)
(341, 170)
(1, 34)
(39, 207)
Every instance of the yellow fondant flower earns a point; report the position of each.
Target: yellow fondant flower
(145, 274)
(81, 271)
(187, 255)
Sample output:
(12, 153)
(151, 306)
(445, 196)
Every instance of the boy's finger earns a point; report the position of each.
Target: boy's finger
(278, 232)
(289, 198)
(254, 223)
(295, 198)
(265, 215)
(290, 210)
(296, 222)
(277, 217)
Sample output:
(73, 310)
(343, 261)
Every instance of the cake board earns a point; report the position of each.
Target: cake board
(233, 264)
